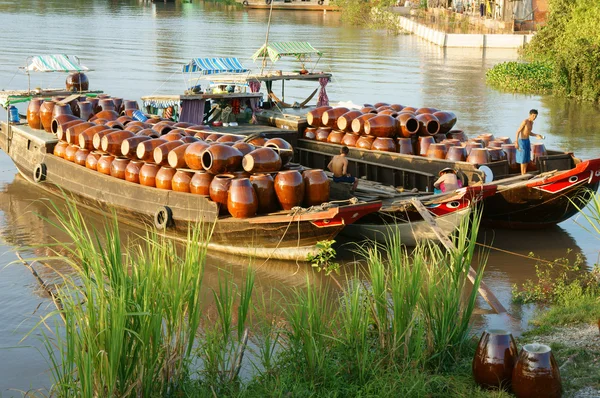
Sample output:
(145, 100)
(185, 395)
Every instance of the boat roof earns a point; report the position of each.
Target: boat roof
(211, 66)
(54, 63)
(275, 51)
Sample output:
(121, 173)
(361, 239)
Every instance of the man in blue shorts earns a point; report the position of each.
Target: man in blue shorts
(522, 142)
(339, 167)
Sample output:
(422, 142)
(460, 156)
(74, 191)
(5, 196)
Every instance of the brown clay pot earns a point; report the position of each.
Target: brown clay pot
(264, 186)
(163, 127)
(133, 129)
(368, 109)
(310, 133)
(405, 146)
(230, 138)
(316, 187)
(537, 150)
(385, 144)
(510, 152)
(81, 156)
(138, 123)
(495, 154)
(193, 155)
(504, 140)
(424, 143)
(323, 133)
(70, 152)
(181, 180)
(188, 139)
(107, 104)
(258, 141)
(60, 148)
(94, 101)
(397, 107)
(130, 105)
(85, 110)
(495, 359)
(329, 117)
(389, 112)
(91, 162)
(289, 188)
(200, 183)
(148, 174)
(61, 120)
(97, 140)
(244, 147)
(409, 125)
(164, 177)
(113, 124)
(46, 109)
(161, 152)
(108, 115)
(447, 120)
(422, 111)
(182, 125)
(384, 108)
(458, 135)
(33, 114)
(77, 81)
(409, 109)
(335, 137)
(124, 120)
(365, 142)
(381, 126)
(536, 373)
(344, 122)
(61, 131)
(219, 158)
(479, 156)
(104, 164)
(132, 172)
(99, 121)
(428, 124)
(486, 138)
(472, 144)
(283, 148)
(112, 142)
(118, 104)
(118, 167)
(436, 151)
(380, 104)
(129, 145)
(212, 137)
(314, 117)
(86, 137)
(145, 149)
(449, 142)
(61, 109)
(176, 157)
(261, 160)
(358, 124)
(242, 201)
(218, 190)
(457, 153)
(148, 133)
(72, 132)
(350, 139)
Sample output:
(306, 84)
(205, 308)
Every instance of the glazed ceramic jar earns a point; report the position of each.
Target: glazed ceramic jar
(447, 120)
(510, 152)
(261, 160)
(405, 146)
(314, 117)
(310, 133)
(219, 188)
(220, 158)
(71, 134)
(242, 201)
(283, 148)
(85, 110)
(148, 174)
(472, 144)
(81, 156)
(132, 172)
(436, 151)
(244, 147)
(111, 143)
(316, 187)
(385, 144)
(200, 183)
(129, 145)
(60, 148)
(350, 139)
(428, 124)
(61, 120)
(330, 116)
(104, 164)
(77, 81)
(91, 162)
(536, 373)
(70, 152)
(193, 155)
(264, 186)
(344, 122)
(424, 143)
(381, 126)
(365, 142)
(46, 109)
(408, 125)
(457, 153)
(118, 167)
(164, 177)
(495, 359)
(107, 104)
(161, 152)
(176, 156)
(479, 156)
(322, 134)
(145, 149)
(421, 111)
(358, 124)
(289, 188)
(335, 137)
(33, 114)
(457, 134)
(181, 181)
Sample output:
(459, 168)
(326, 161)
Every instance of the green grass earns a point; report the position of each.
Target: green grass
(521, 77)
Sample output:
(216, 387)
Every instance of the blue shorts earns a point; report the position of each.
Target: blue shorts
(524, 151)
(344, 179)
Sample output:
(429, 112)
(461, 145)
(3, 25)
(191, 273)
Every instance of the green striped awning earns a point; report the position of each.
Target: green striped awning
(298, 49)
(54, 63)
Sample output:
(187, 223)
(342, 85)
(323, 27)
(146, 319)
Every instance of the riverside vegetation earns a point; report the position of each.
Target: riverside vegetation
(563, 57)
(132, 323)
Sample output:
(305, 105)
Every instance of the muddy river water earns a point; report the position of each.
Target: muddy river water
(135, 49)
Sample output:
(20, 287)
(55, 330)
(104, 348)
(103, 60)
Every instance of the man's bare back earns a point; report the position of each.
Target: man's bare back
(338, 166)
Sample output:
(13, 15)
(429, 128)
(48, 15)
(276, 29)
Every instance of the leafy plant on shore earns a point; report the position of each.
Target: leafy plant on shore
(534, 77)
(323, 259)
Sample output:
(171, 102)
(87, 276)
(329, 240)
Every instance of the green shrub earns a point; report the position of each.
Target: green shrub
(534, 77)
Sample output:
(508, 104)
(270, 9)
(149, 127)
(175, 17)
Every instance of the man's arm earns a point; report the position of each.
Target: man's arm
(330, 165)
(439, 181)
(345, 167)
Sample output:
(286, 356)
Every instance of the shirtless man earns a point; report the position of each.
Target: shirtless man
(339, 167)
(522, 141)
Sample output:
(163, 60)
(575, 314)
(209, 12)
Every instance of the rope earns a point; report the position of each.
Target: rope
(513, 253)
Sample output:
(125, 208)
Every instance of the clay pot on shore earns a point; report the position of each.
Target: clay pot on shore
(220, 158)
(81, 156)
(181, 181)
(447, 120)
(60, 120)
(283, 149)
(381, 126)
(437, 151)
(161, 152)
(350, 139)
(424, 143)
(104, 164)
(385, 144)
(60, 148)
(261, 160)
(428, 124)
(358, 124)
(335, 137)
(33, 114)
(344, 122)
(289, 188)
(264, 186)
(112, 142)
(219, 188)
(316, 187)
(148, 174)
(479, 156)
(242, 201)
(72, 132)
(91, 162)
(365, 142)
(310, 133)
(193, 155)
(458, 135)
(164, 177)
(457, 153)
(132, 171)
(322, 134)
(129, 145)
(118, 167)
(536, 373)
(408, 125)
(495, 359)
(145, 149)
(314, 117)
(200, 183)
(422, 111)
(405, 146)
(46, 109)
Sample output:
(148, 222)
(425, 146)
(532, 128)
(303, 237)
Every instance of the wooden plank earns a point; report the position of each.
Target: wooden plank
(484, 290)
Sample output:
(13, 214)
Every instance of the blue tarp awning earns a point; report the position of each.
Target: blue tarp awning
(211, 66)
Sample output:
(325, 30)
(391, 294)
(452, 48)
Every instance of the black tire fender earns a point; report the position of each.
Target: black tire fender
(245, 2)
(268, 1)
(321, 2)
(39, 172)
(163, 218)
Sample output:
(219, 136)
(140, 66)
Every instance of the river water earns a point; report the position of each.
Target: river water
(135, 49)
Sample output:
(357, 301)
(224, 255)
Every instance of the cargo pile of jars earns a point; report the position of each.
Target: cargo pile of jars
(411, 131)
(244, 178)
